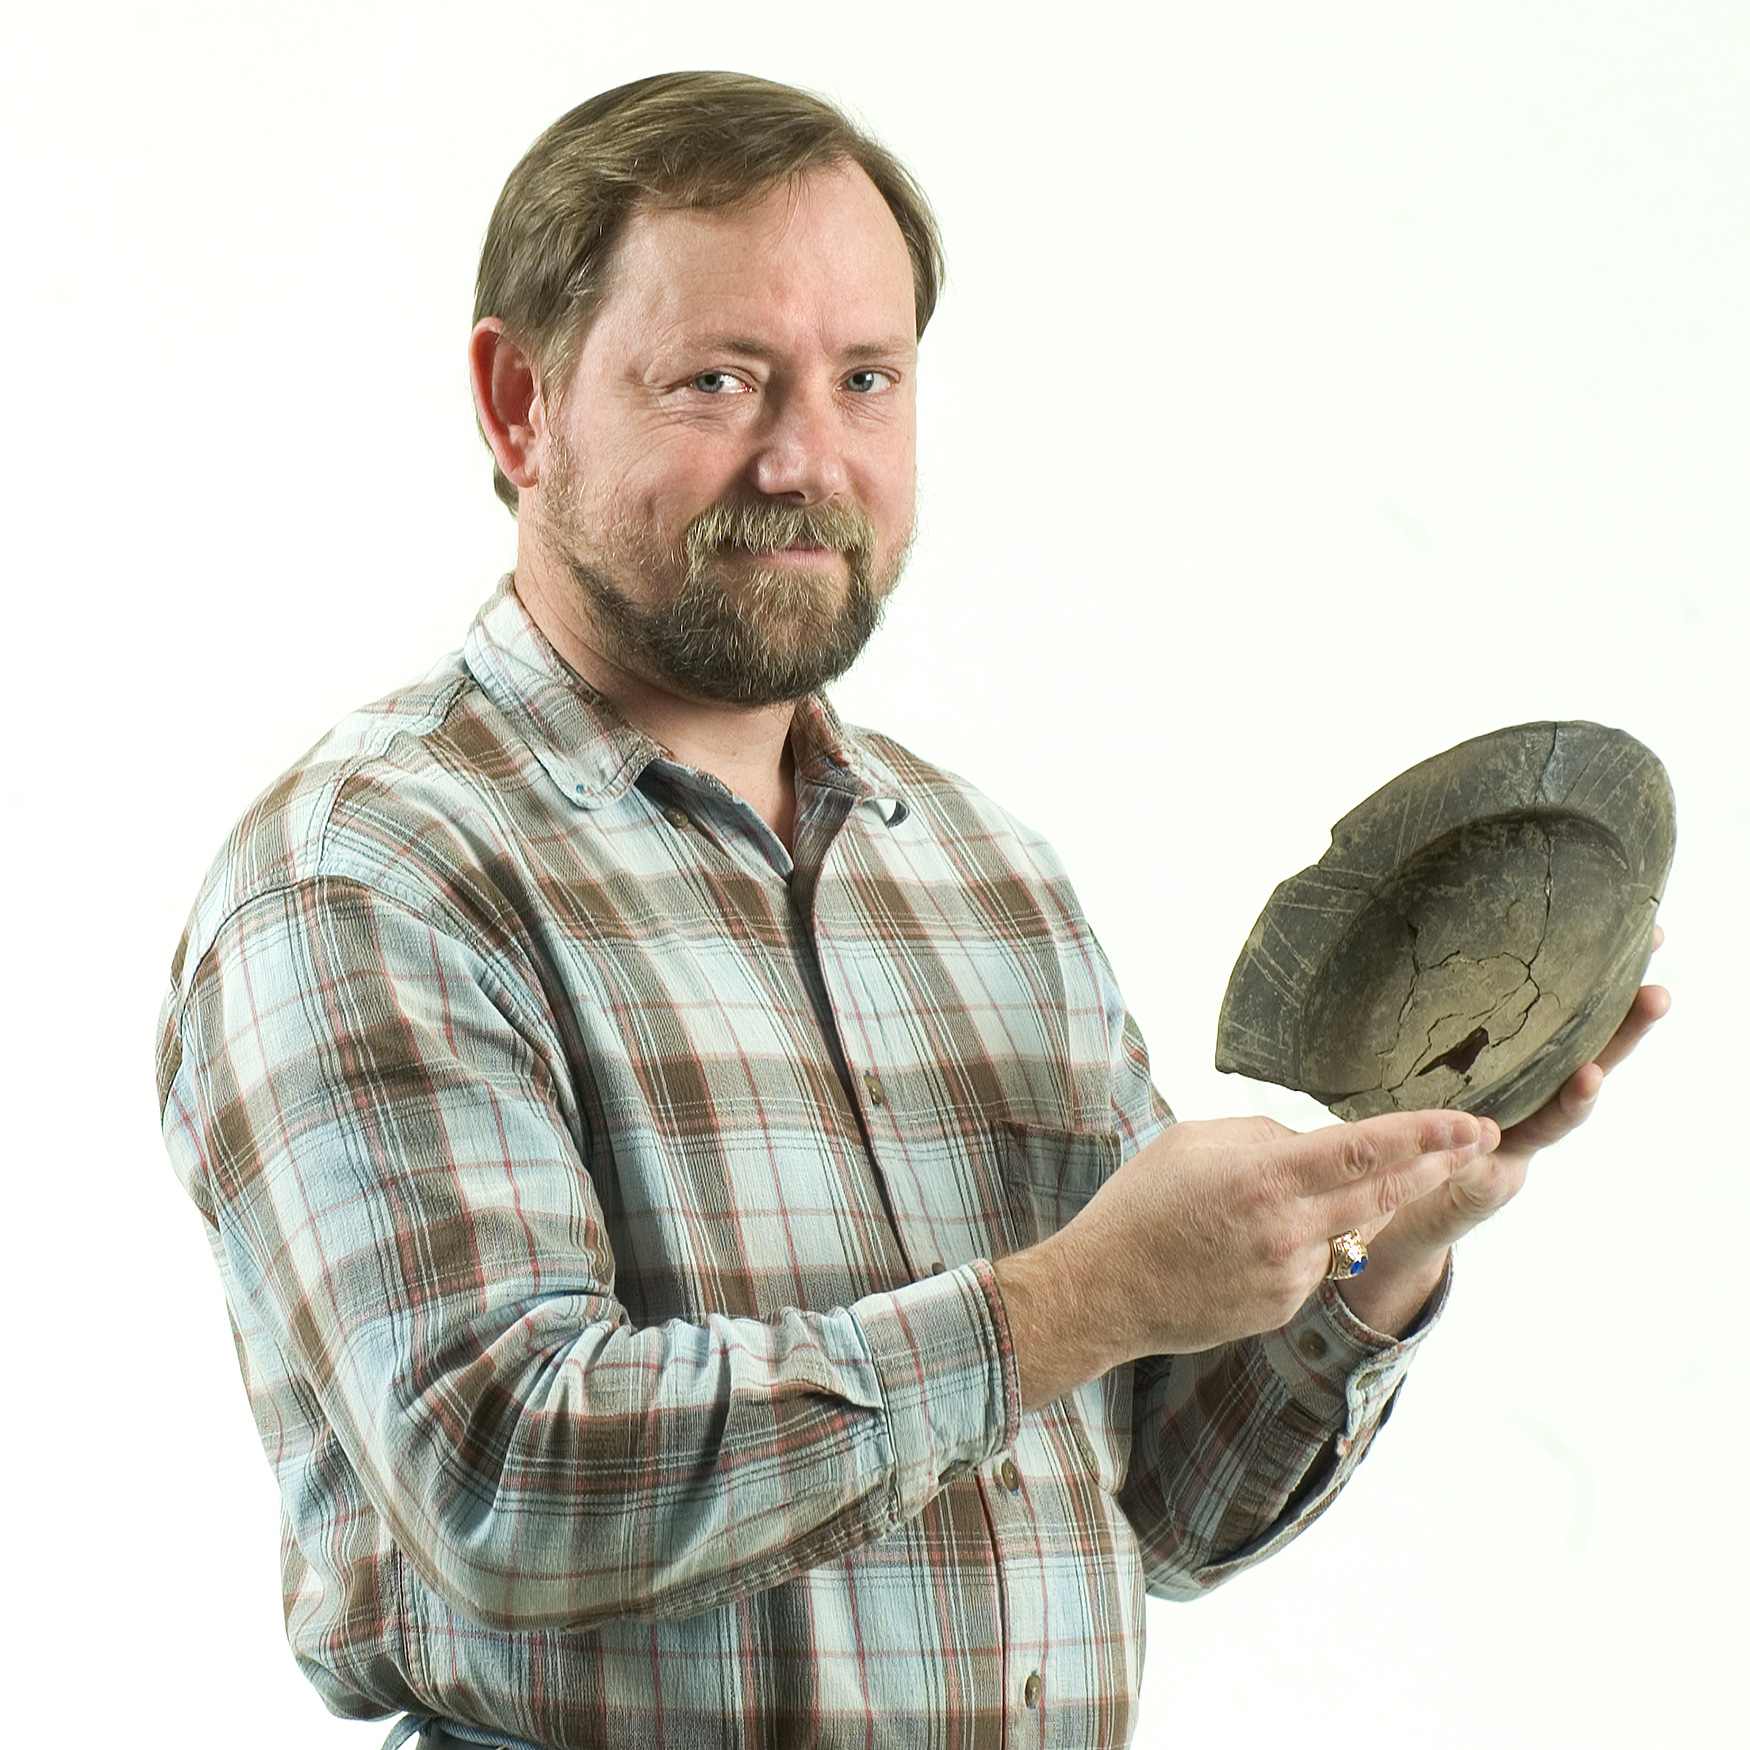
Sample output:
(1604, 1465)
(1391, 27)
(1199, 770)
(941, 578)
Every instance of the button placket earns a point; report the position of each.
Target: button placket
(1025, 1592)
(862, 989)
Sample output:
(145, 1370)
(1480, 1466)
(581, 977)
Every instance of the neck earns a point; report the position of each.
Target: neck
(747, 748)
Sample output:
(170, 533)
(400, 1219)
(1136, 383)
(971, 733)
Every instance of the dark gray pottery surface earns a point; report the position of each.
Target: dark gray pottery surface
(1475, 933)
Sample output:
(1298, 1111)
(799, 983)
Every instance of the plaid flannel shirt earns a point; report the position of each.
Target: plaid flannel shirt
(604, 1202)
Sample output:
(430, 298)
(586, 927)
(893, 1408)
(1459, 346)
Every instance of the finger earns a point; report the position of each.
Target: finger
(1652, 1003)
(1580, 1093)
(1373, 1201)
(1571, 1104)
(1574, 1101)
(1369, 1202)
(1658, 936)
(1369, 1231)
(1340, 1155)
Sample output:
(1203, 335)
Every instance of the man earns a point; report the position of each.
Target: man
(705, 1254)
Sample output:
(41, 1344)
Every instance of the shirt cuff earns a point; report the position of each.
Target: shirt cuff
(942, 1353)
(1340, 1371)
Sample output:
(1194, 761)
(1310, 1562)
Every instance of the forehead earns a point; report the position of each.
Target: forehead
(821, 256)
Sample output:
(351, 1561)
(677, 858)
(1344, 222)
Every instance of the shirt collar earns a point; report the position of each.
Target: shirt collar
(837, 758)
(595, 756)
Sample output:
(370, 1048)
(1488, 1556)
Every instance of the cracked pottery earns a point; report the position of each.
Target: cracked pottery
(1475, 933)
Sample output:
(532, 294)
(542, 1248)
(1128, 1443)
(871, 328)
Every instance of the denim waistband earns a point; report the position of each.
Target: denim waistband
(429, 1732)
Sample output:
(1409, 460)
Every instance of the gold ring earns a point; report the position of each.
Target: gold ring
(1348, 1256)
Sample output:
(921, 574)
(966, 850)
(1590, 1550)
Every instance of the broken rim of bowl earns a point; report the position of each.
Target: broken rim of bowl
(1475, 933)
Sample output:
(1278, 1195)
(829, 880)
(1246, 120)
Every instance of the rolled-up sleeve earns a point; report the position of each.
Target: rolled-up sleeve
(371, 1110)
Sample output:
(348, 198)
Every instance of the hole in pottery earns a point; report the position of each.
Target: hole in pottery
(1461, 1056)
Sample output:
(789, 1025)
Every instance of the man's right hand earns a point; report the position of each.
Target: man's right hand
(1215, 1231)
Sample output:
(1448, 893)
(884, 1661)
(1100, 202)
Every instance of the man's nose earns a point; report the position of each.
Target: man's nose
(801, 455)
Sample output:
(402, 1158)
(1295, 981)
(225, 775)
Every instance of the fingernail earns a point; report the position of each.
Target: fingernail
(1473, 1133)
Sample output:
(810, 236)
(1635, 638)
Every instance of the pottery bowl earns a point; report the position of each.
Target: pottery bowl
(1475, 933)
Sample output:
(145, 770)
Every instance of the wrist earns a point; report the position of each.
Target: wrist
(1390, 1294)
(1060, 1334)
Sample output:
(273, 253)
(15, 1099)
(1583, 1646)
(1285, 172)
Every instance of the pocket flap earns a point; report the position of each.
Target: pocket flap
(1070, 1165)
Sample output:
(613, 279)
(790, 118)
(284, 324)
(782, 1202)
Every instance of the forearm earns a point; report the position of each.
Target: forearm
(541, 1474)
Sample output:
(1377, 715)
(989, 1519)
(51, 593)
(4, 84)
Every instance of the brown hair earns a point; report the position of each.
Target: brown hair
(675, 140)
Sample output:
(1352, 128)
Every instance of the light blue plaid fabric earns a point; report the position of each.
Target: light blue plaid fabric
(605, 1202)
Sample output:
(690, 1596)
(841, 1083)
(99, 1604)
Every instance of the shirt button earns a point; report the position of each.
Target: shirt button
(677, 818)
(1030, 1690)
(937, 1267)
(1312, 1345)
(1011, 1477)
(877, 1093)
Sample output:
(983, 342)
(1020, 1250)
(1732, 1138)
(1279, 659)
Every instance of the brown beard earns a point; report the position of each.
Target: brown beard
(772, 637)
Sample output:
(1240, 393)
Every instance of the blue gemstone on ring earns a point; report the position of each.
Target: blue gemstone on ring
(1358, 1266)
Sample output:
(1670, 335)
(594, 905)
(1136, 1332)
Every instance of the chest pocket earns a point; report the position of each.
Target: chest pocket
(1048, 1177)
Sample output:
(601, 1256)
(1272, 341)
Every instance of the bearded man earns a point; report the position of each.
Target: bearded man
(706, 1256)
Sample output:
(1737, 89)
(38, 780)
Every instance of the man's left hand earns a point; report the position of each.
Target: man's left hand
(1405, 1257)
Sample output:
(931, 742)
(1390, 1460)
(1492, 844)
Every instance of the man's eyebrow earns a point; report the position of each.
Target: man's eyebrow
(898, 347)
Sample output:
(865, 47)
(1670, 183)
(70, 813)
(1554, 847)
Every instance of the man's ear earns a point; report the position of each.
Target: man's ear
(507, 400)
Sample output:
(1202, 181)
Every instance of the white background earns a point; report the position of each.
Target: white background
(1316, 386)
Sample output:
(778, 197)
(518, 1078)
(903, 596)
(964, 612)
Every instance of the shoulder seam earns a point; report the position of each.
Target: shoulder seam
(428, 909)
(418, 730)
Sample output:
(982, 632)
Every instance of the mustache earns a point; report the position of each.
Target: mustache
(764, 528)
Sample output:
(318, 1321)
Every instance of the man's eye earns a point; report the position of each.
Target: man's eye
(717, 383)
(869, 382)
